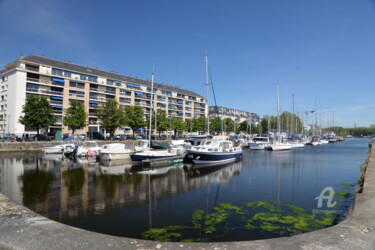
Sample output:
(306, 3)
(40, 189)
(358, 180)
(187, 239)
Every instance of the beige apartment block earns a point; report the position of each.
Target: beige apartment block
(61, 81)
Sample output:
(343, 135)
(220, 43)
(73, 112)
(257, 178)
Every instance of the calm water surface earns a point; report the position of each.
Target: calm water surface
(120, 199)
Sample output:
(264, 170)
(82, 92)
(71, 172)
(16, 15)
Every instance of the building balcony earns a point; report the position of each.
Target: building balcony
(35, 80)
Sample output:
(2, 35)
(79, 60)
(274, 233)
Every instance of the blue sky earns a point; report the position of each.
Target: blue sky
(320, 51)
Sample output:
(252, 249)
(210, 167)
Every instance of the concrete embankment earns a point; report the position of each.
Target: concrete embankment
(21, 228)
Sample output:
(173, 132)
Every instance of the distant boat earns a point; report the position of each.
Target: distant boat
(279, 144)
(260, 143)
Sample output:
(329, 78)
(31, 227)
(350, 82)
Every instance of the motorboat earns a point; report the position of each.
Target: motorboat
(87, 148)
(115, 151)
(297, 144)
(58, 149)
(151, 154)
(280, 146)
(260, 143)
(215, 150)
(156, 151)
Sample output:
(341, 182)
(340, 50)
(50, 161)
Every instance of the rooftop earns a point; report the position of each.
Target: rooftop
(69, 66)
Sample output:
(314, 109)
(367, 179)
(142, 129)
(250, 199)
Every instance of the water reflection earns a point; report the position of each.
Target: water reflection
(97, 195)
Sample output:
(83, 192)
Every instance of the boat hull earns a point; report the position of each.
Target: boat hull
(259, 146)
(139, 157)
(214, 157)
(114, 156)
(280, 147)
(53, 150)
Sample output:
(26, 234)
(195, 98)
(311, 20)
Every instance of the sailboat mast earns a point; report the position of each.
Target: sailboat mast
(207, 114)
(278, 110)
(250, 119)
(152, 107)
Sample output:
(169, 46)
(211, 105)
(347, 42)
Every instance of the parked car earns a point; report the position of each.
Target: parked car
(41, 137)
(10, 137)
(95, 135)
(68, 137)
(51, 135)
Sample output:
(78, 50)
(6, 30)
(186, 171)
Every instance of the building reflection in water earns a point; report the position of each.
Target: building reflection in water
(64, 190)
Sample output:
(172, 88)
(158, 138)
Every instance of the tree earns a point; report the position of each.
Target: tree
(199, 124)
(178, 125)
(75, 116)
(244, 127)
(216, 125)
(38, 113)
(111, 115)
(264, 125)
(229, 125)
(134, 117)
(162, 121)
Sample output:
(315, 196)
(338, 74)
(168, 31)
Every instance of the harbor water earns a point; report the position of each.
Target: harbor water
(267, 194)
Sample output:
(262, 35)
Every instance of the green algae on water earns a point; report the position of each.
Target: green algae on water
(272, 217)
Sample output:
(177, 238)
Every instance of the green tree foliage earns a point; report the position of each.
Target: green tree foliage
(228, 125)
(216, 125)
(291, 122)
(178, 125)
(199, 124)
(134, 117)
(111, 115)
(264, 125)
(244, 127)
(38, 113)
(75, 116)
(162, 121)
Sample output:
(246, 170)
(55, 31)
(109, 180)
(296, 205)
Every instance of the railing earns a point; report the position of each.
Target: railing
(42, 91)
(30, 79)
(58, 84)
(56, 102)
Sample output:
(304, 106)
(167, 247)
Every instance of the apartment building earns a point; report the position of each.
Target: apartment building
(61, 81)
(236, 115)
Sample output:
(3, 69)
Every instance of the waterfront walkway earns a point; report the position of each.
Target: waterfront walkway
(21, 228)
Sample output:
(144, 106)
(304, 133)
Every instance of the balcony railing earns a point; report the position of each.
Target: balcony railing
(43, 91)
(30, 79)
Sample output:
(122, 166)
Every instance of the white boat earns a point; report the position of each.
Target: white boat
(279, 146)
(87, 148)
(58, 149)
(297, 144)
(332, 139)
(324, 141)
(151, 154)
(260, 143)
(115, 151)
(214, 151)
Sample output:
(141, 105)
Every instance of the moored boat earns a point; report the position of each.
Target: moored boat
(280, 146)
(214, 151)
(115, 151)
(259, 143)
(58, 149)
(87, 148)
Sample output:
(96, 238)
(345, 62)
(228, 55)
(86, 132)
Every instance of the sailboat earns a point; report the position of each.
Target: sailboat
(216, 150)
(279, 144)
(148, 153)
